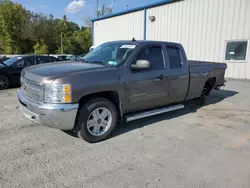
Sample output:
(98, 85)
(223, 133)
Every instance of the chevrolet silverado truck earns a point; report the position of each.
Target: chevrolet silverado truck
(118, 81)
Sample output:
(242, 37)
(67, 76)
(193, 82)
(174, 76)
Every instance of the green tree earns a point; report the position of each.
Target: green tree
(13, 19)
(44, 27)
(68, 32)
(22, 31)
(84, 39)
(40, 48)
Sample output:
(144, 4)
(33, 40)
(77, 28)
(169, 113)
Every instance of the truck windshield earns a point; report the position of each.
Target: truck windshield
(110, 54)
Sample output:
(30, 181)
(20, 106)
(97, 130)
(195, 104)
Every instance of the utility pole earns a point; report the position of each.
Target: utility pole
(97, 7)
(61, 43)
(64, 24)
(103, 9)
(113, 6)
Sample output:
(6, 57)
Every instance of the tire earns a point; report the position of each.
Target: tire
(91, 116)
(206, 91)
(202, 100)
(4, 82)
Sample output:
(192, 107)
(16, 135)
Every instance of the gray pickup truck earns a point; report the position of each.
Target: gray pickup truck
(116, 82)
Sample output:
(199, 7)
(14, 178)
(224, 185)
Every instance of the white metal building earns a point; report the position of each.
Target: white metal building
(210, 30)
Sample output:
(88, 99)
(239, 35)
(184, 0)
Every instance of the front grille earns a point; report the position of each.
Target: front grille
(32, 91)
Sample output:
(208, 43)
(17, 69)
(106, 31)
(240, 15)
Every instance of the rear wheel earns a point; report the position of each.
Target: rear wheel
(4, 82)
(207, 89)
(96, 120)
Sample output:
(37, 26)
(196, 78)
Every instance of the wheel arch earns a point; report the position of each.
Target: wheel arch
(209, 85)
(7, 75)
(110, 95)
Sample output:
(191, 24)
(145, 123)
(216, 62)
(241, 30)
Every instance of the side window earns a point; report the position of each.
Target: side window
(174, 57)
(43, 59)
(52, 59)
(24, 62)
(154, 56)
(236, 50)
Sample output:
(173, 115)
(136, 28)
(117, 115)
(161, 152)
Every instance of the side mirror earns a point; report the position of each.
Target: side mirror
(141, 65)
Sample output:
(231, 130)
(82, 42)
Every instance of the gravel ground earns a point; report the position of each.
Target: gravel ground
(198, 147)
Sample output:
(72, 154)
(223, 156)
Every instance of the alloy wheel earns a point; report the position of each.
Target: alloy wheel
(4, 82)
(99, 121)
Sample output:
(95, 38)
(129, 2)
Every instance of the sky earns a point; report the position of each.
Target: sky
(78, 10)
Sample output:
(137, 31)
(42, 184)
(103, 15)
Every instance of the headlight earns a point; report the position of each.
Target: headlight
(58, 93)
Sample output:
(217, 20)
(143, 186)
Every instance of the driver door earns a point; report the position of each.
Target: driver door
(147, 89)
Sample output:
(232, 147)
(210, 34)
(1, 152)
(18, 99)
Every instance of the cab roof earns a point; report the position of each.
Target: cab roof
(138, 42)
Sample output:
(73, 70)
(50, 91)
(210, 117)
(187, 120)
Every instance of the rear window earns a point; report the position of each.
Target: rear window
(174, 57)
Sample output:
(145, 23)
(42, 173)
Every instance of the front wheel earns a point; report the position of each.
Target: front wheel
(96, 120)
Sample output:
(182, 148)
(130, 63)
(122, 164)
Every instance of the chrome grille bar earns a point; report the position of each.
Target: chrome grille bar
(32, 91)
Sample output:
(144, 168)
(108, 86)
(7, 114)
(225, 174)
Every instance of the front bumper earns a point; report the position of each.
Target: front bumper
(60, 116)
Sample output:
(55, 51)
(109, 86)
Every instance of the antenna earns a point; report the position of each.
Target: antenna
(133, 39)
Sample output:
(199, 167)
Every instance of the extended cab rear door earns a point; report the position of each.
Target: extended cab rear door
(178, 72)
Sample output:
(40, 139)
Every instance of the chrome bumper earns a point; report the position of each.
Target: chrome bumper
(60, 116)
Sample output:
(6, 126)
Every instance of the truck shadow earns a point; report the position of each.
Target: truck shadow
(190, 107)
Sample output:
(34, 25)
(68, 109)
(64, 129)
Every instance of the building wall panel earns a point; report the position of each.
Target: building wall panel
(247, 35)
(123, 27)
(203, 27)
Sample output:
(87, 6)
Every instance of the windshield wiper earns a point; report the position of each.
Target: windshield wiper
(95, 62)
(99, 62)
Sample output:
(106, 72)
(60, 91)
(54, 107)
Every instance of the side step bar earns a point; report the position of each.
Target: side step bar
(153, 112)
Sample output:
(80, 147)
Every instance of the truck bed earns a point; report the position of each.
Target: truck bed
(205, 63)
(200, 72)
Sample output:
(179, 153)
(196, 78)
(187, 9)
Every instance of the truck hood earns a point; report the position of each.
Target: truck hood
(48, 72)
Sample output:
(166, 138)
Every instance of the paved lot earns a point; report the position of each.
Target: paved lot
(196, 147)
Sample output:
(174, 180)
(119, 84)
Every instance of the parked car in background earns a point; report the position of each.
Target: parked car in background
(76, 57)
(92, 48)
(120, 80)
(10, 70)
(62, 57)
